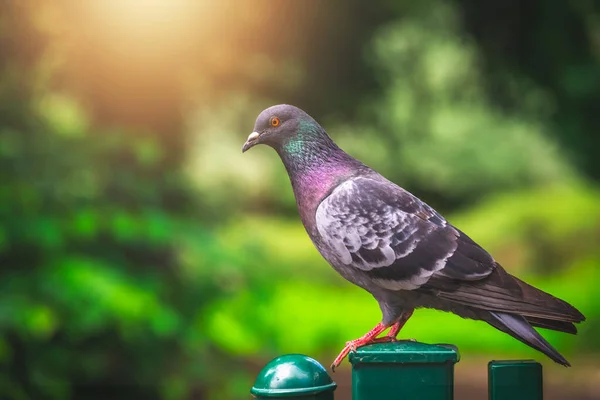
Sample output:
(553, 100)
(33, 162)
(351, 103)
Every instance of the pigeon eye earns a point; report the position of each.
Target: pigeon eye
(275, 121)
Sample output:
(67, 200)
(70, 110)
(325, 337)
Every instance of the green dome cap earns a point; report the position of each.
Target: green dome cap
(292, 375)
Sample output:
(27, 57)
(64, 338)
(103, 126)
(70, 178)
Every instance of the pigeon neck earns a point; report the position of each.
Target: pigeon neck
(312, 152)
(315, 166)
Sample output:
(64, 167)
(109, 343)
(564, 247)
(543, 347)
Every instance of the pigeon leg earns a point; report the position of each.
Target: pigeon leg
(395, 329)
(400, 324)
(371, 337)
(354, 344)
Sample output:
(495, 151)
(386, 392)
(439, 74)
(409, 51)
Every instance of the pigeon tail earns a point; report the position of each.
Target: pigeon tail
(505, 293)
(553, 308)
(561, 326)
(518, 327)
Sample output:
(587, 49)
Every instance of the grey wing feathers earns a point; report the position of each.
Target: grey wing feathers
(394, 238)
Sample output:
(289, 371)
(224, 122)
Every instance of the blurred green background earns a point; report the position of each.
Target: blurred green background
(142, 256)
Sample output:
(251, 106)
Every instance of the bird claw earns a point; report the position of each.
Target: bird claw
(338, 360)
(350, 346)
(371, 337)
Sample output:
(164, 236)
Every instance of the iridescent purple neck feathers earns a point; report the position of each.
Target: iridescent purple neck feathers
(311, 149)
(315, 165)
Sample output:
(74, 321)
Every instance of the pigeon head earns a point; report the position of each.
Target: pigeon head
(285, 128)
(306, 150)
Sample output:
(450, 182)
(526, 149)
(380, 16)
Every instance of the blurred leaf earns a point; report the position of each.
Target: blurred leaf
(63, 114)
(47, 232)
(5, 351)
(9, 143)
(147, 152)
(86, 223)
(40, 321)
(124, 226)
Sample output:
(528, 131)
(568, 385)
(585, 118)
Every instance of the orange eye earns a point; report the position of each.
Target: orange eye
(275, 121)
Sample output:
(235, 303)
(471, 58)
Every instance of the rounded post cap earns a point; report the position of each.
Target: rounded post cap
(292, 375)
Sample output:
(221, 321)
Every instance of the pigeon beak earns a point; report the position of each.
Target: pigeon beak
(251, 141)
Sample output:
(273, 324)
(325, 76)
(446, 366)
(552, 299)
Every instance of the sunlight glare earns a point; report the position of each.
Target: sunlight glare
(164, 19)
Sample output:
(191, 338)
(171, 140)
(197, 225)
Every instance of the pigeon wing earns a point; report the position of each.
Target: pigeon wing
(394, 238)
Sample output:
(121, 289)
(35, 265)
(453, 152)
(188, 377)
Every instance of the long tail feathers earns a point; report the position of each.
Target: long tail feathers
(518, 327)
(552, 307)
(561, 326)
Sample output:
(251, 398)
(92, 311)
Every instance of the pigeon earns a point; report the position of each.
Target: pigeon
(384, 239)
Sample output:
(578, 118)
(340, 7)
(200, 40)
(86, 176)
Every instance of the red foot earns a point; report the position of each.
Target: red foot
(356, 343)
(371, 337)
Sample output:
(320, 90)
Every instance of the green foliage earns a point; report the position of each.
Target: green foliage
(90, 281)
(550, 228)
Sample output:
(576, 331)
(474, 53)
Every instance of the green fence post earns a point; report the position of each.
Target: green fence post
(293, 376)
(403, 370)
(515, 380)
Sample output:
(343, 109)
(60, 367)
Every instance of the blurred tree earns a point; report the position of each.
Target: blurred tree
(555, 45)
(440, 130)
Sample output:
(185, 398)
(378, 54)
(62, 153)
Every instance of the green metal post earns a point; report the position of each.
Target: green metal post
(403, 370)
(293, 376)
(515, 380)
